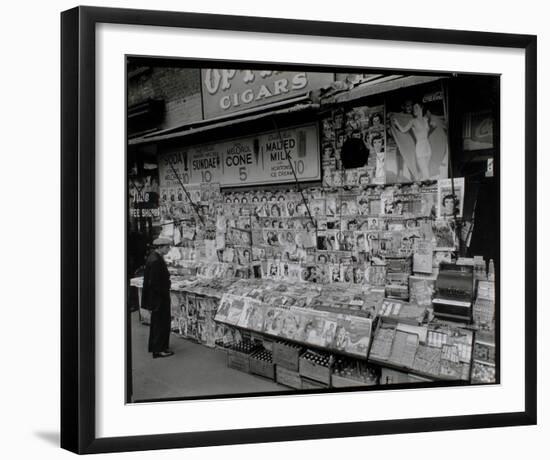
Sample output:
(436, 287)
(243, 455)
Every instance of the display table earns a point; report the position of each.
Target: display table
(346, 321)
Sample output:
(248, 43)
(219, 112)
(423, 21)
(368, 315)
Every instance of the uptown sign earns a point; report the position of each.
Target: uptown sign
(229, 90)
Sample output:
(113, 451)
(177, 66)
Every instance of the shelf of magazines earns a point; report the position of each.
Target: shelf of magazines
(391, 334)
(345, 334)
(432, 351)
(181, 286)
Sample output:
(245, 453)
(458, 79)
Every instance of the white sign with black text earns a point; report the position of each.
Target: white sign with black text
(265, 158)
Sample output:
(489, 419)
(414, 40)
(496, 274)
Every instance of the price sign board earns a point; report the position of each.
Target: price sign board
(252, 160)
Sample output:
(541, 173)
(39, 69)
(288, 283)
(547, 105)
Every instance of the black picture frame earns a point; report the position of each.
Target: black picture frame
(78, 330)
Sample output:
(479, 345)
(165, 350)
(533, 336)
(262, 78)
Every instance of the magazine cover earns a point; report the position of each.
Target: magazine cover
(404, 348)
(313, 332)
(382, 343)
(235, 310)
(387, 202)
(376, 275)
(334, 273)
(359, 275)
(306, 239)
(270, 237)
(423, 257)
(272, 271)
(445, 238)
(292, 320)
(243, 255)
(273, 320)
(352, 335)
(347, 206)
(450, 202)
(428, 201)
(351, 223)
(317, 207)
(346, 274)
(421, 289)
(331, 201)
(359, 333)
(427, 360)
(246, 311)
(228, 255)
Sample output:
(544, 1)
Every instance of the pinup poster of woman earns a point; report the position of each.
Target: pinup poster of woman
(420, 134)
(291, 325)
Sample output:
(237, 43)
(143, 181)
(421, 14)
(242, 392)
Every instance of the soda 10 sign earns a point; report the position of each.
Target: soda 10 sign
(270, 157)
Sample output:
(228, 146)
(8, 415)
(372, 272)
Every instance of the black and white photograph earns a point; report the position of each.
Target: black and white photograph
(275, 230)
(294, 231)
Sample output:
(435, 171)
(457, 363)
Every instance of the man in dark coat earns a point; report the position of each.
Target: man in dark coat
(156, 298)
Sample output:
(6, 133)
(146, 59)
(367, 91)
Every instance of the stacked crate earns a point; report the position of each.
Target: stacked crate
(261, 363)
(286, 357)
(315, 369)
(348, 372)
(238, 355)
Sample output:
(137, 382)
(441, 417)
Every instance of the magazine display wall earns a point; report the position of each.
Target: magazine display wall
(352, 274)
(339, 275)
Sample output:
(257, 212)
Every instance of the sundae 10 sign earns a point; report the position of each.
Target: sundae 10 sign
(225, 91)
(265, 158)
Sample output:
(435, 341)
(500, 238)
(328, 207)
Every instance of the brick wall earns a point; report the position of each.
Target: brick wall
(179, 88)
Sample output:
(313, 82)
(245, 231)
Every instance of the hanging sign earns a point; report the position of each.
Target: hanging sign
(228, 90)
(260, 159)
(143, 196)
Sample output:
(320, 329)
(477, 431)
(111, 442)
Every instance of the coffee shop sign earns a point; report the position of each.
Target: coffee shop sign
(229, 90)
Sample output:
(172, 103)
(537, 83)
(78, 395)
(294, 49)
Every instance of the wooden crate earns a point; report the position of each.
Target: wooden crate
(267, 343)
(288, 378)
(345, 382)
(314, 371)
(239, 361)
(391, 376)
(263, 368)
(418, 378)
(308, 384)
(286, 355)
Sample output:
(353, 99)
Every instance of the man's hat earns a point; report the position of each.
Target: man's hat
(162, 241)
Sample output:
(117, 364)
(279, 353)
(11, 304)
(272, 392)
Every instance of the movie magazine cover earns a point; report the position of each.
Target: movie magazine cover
(450, 204)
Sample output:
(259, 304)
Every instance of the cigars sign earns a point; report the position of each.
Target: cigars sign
(261, 159)
(226, 91)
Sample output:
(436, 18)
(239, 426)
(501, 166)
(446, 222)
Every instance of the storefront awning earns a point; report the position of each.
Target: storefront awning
(377, 84)
(300, 104)
(383, 84)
